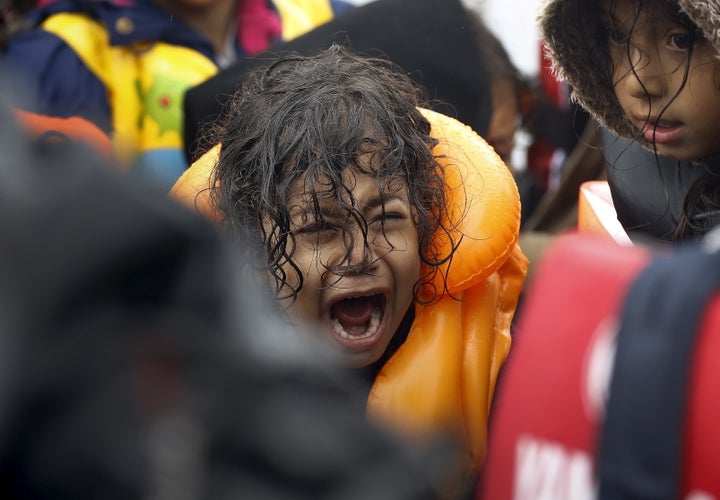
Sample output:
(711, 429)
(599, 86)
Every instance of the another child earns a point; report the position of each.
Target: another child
(649, 70)
(125, 64)
(392, 230)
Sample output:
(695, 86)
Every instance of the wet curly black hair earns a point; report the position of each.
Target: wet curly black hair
(305, 118)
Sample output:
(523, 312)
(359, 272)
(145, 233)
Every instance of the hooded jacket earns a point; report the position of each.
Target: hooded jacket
(569, 26)
(647, 189)
(125, 66)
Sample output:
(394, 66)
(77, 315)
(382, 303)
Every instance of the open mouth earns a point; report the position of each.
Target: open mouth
(356, 318)
(662, 124)
(662, 131)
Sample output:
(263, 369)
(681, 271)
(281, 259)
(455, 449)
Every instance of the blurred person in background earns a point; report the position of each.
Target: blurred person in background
(445, 46)
(433, 41)
(556, 125)
(507, 84)
(12, 18)
(125, 64)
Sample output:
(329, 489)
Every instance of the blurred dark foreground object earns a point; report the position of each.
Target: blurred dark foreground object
(136, 365)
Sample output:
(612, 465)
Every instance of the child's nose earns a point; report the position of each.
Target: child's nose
(359, 255)
(362, 257)
(645, 80)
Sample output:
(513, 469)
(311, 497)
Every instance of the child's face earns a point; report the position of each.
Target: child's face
(681, 119)
(360, 305)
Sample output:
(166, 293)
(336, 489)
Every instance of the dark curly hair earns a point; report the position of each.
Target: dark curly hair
(306, 118)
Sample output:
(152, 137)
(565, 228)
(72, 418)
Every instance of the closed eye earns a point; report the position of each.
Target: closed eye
(316, 228)
(386, 216)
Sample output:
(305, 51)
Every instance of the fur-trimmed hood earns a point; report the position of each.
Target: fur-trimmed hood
(568, 28)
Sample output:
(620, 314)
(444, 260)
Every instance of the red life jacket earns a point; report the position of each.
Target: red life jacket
(611, 388)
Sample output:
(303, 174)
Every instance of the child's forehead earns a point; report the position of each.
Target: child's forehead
(325, 175)
(355, 188)
(635, 13)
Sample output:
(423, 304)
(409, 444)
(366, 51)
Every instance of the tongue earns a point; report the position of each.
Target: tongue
(353, 312)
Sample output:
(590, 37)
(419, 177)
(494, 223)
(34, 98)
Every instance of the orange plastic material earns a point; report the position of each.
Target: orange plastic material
(596, 213)
(192, 187)
(442, 379)
(74, 128)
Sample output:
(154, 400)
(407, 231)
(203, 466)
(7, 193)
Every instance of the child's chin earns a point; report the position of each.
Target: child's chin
(357, 359)
(673, 155)
(684, 154)
(362, 354)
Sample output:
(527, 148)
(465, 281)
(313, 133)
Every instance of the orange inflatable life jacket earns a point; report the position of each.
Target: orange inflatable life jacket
(442, 379)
